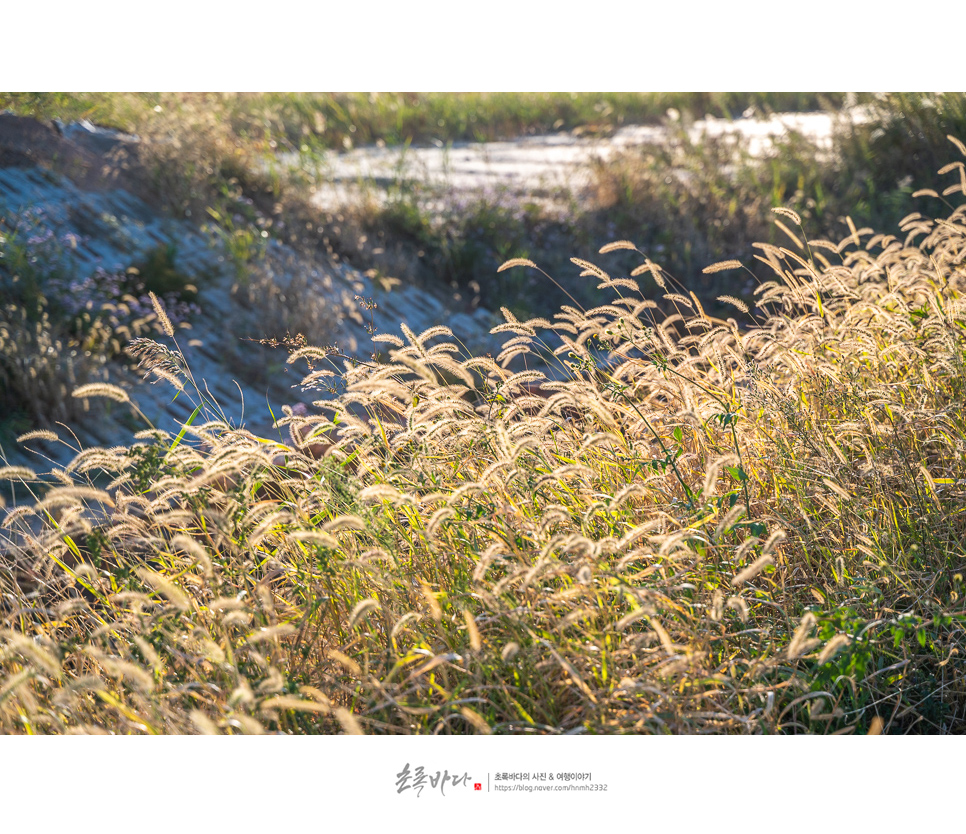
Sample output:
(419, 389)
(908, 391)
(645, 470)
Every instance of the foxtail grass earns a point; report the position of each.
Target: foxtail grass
(750, 524)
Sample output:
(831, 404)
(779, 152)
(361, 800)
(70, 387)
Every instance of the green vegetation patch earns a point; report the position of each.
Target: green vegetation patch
(340, 120)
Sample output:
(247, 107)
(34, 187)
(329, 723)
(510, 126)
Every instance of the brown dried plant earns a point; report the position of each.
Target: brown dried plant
(698, 524)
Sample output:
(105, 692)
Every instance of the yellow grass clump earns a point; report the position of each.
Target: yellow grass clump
(697, 525)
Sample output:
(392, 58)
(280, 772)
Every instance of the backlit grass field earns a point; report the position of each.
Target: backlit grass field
(743, 522)
(719, 488)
